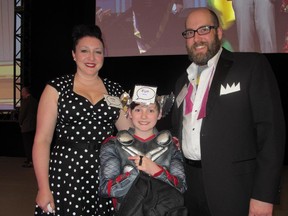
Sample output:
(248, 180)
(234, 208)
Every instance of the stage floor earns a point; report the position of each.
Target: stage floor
(18, 189)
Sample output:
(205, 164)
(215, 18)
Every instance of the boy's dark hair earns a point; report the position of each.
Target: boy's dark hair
(134, 104)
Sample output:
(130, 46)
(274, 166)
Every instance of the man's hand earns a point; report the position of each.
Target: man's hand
(259, 208)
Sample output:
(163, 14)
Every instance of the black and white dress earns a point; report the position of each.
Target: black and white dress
(74, 161)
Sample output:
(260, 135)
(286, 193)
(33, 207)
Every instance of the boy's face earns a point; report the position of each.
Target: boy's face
(144, 117)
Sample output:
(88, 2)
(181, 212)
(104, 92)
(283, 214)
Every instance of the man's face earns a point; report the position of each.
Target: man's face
(201, 48)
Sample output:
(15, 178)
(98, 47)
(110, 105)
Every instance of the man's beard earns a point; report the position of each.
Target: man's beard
(203, 58)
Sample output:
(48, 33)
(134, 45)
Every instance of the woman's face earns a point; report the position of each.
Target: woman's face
(89, 55)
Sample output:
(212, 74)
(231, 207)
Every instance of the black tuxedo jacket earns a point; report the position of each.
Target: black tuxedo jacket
(242, 135)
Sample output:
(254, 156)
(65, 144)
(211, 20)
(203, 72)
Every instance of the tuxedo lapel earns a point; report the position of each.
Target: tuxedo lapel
(220, 74)
(178, 111)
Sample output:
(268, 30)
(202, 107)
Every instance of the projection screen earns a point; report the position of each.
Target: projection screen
(153, 27)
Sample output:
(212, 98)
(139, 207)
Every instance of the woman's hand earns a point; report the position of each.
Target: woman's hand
(45, 201)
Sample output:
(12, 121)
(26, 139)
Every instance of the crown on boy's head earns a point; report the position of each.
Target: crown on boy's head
(147, 95)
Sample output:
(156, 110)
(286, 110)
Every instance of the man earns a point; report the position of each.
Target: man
(27, 122)
(230, 125)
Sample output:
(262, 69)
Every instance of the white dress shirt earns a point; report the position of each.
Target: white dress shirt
(191, 122)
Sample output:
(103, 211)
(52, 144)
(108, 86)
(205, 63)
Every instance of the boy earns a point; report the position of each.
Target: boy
(143, 151)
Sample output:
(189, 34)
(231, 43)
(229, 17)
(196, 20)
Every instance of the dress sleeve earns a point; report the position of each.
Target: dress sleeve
(113, 88)
(62, 82)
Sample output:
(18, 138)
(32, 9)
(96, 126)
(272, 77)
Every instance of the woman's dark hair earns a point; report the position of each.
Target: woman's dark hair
(82, 30)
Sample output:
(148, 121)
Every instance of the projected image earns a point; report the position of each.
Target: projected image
(140, 27)
(6, 56)
(153, 27)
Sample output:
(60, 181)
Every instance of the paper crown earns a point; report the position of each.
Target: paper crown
(147, 95)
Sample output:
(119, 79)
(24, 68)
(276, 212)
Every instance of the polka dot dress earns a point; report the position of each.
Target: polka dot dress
(74, 161)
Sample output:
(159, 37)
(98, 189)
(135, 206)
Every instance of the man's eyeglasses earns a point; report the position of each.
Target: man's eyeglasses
(203, 30)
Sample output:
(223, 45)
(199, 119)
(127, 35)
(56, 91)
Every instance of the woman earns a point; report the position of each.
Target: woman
(79, 107)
